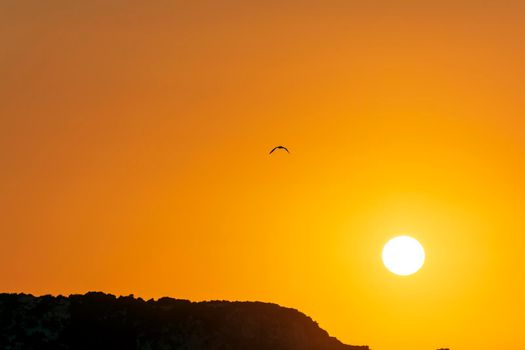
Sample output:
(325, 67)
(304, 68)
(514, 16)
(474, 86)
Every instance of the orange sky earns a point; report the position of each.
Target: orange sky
(133, 158)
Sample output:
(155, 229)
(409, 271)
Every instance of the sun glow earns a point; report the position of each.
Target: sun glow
(403, 255)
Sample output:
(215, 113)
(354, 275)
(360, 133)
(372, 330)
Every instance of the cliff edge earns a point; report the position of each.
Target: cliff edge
(102, 321)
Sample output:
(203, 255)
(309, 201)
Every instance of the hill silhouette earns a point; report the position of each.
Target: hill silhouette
(102, 321)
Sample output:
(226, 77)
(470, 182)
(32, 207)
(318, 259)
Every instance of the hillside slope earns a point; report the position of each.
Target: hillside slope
(102, 321)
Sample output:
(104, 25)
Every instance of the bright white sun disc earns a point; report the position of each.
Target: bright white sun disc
(403, 255)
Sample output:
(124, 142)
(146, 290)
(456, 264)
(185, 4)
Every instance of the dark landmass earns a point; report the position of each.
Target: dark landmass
(103, 321)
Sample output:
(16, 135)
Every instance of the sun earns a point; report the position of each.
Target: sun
(403, 255)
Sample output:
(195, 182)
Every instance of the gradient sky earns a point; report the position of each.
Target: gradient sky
(134, 139)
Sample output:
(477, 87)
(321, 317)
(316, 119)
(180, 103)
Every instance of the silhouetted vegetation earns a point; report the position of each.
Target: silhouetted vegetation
(103, 321)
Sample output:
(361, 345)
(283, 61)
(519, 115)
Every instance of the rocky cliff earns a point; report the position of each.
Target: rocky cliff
(103, 321)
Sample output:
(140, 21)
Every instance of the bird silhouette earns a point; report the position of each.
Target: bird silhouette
(279, 147)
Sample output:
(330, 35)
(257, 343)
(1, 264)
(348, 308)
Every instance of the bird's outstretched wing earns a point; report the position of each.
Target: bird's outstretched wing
(279, 147)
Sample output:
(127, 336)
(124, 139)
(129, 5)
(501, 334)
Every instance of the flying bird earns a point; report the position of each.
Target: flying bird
(279, 147)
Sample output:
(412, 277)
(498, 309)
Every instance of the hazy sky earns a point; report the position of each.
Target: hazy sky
(134, 139)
